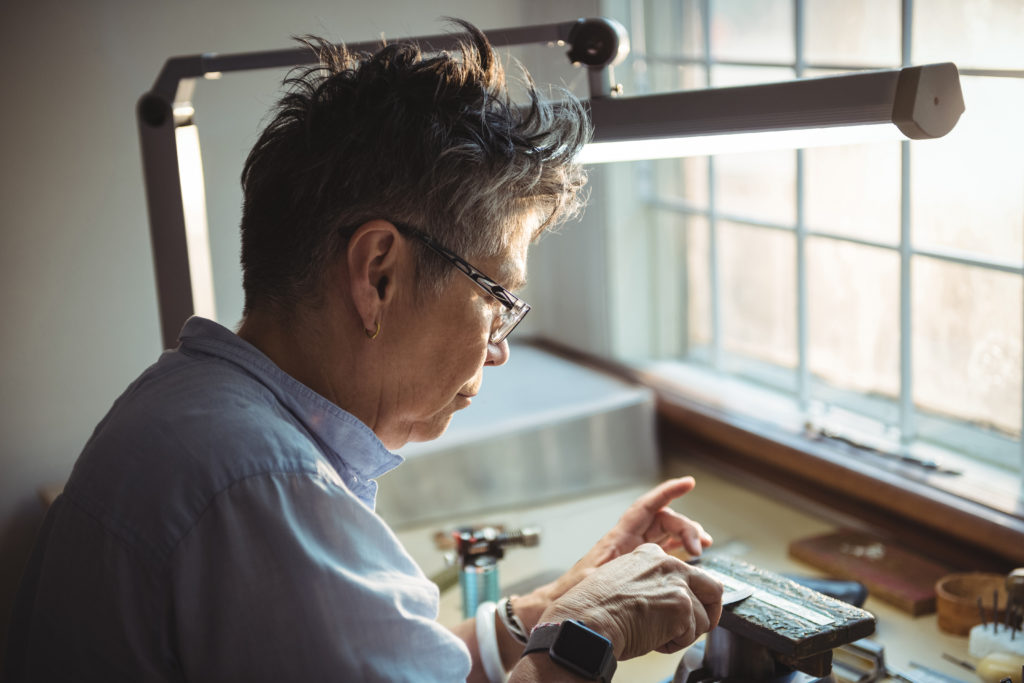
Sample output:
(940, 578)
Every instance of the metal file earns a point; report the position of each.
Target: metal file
(776, 601)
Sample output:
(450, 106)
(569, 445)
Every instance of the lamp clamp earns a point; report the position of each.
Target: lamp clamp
(599, 44)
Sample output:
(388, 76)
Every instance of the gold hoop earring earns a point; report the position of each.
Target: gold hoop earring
(375, 332)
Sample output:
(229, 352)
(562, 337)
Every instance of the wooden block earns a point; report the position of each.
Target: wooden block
(890, 573)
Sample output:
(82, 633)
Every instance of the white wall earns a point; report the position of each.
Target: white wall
(77, 291)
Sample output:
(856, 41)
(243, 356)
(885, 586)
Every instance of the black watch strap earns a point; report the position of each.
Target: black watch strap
(541, 638)
(575, 647)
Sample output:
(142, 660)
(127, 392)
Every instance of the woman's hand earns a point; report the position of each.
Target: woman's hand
(647, 520)
(628, 588)
(644, 600)
(650, 520)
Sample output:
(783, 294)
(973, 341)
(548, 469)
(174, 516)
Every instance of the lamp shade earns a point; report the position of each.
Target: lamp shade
(916, 102)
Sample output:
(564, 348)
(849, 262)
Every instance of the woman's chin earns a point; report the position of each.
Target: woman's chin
(430, 429)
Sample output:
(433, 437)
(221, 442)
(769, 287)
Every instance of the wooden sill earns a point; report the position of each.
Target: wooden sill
(893, 500)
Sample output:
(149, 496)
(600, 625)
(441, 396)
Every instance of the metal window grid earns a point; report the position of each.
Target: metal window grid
(908, 418)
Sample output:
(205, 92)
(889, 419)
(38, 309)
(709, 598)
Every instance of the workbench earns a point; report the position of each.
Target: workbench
(750, 525)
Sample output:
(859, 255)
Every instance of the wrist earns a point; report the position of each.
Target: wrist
(575, 647)
(531, 606)
(539, 667)
(514, 626)
(562, 610)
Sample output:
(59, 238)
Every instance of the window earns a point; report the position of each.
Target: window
(873, 294)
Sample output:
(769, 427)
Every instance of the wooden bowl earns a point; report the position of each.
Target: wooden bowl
(957, 600)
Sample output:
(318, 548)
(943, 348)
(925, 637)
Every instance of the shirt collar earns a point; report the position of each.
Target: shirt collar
(365, 456)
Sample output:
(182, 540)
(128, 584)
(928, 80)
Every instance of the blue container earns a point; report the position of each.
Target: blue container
(479, 582)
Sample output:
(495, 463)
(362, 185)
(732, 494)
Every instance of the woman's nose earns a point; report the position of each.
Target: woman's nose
(497, 354)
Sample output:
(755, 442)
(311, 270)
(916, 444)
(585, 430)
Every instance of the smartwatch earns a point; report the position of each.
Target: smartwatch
(575, 647)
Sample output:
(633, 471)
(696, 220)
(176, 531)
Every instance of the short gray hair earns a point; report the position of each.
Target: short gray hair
(434, 142)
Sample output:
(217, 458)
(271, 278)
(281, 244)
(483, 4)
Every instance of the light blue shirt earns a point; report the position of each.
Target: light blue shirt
(219, 526)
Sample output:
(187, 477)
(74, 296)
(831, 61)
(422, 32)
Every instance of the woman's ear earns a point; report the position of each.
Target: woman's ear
(372, 260)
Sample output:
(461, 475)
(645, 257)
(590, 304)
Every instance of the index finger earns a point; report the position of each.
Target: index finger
(664, 493)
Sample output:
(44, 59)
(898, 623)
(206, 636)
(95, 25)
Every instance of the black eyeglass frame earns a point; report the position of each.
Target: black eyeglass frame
(515, 309)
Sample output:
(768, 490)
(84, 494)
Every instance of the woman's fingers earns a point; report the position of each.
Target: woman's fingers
(644, 600)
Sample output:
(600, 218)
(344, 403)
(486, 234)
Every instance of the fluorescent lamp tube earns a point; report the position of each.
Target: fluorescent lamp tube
(915, 102)
(705, 145)
(197, 232)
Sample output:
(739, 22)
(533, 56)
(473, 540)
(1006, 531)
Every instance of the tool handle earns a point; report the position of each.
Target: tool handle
(995, 667)
(851, 592)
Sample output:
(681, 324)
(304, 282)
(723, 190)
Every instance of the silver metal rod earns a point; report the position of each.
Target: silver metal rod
(951, 256)
(195, 66)
(908, 427)
(803, 377)
(714, 272)
(168, 236)
(906, 32)
(993, 73)
(803, 374)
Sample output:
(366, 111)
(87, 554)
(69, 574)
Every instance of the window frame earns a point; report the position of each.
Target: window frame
(888, 493)
(912, 422)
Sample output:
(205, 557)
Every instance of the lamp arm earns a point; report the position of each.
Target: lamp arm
(176, 69)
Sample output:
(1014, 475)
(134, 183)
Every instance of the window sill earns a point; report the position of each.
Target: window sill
(932, 512)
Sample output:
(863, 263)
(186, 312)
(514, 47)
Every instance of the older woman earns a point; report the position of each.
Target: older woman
(219, 523)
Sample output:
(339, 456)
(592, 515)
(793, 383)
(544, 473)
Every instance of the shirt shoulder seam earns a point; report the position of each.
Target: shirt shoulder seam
(215, 496)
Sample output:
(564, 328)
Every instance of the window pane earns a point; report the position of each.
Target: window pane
(675, 28)
(698, 282)
(968, 187)
(683, 179)
(853, 317)
(727, 76)
(978, 33)
(870, 34)
(667, 260)
(758, 293)
(679, 284)
(757, 185)
(673, 77)
(752, 31)
(967, 326)
(854, 190)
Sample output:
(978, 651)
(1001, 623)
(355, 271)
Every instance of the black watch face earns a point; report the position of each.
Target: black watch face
(580, 646)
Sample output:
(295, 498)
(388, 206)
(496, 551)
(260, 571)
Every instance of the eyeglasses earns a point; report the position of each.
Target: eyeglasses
(514, 309)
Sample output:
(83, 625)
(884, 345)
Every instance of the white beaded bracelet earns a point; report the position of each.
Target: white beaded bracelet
(487, 643)
(512, 623)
